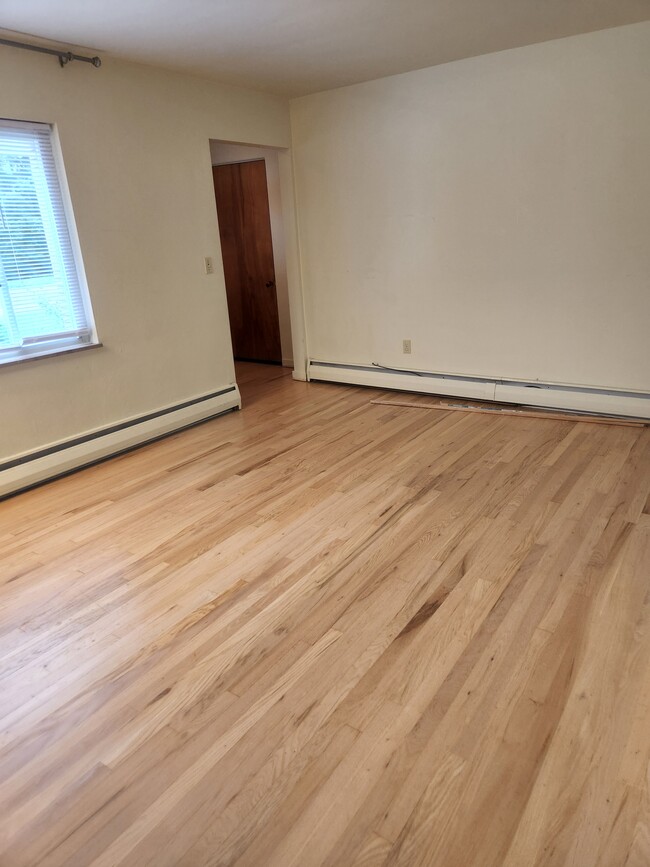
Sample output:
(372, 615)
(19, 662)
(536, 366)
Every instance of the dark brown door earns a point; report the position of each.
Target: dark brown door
(245, 230)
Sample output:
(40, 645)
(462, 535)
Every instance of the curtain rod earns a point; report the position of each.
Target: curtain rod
(64, 56)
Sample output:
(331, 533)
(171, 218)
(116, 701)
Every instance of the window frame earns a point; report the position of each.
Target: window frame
(62, 342)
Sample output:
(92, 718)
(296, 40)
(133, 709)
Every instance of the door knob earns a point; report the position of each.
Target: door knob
(269, 284)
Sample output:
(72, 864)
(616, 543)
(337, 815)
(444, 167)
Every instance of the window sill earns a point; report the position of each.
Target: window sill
(49, 353)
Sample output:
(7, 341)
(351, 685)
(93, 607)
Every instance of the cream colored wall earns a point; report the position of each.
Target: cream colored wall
(231, 153)
(495, 211)
(135, 143)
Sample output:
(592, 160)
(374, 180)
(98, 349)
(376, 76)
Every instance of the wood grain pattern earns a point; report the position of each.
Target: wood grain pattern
(247, 250)
(328, 632)
(514, 410)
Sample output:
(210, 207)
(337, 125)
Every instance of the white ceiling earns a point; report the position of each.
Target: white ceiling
(302, 46)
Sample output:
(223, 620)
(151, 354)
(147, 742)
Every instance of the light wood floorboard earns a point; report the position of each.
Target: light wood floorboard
(325, 632)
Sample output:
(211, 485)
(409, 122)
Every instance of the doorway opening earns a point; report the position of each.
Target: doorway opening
(251, 231)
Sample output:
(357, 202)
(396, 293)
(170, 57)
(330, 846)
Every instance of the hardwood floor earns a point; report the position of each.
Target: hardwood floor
(325, 632)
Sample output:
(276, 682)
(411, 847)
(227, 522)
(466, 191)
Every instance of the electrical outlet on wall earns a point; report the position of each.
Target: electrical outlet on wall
(209, 265)
(406, 347)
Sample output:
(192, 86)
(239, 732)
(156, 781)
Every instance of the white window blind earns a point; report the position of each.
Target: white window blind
(42, 304)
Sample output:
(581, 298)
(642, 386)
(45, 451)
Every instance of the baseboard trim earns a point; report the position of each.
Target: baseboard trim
(33, 468)
(601, 401)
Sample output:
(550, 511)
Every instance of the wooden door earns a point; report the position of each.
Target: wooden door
(246, 246)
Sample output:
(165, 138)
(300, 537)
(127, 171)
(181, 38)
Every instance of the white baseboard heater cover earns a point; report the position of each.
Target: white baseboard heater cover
(29, 469)
(561, 397)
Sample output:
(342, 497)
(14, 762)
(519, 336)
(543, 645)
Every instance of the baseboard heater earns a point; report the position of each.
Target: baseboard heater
(58, 459)
(535, 394)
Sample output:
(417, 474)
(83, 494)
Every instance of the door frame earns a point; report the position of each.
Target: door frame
(292, 250)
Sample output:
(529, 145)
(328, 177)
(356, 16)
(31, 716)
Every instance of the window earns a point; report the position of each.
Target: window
(43, 307)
